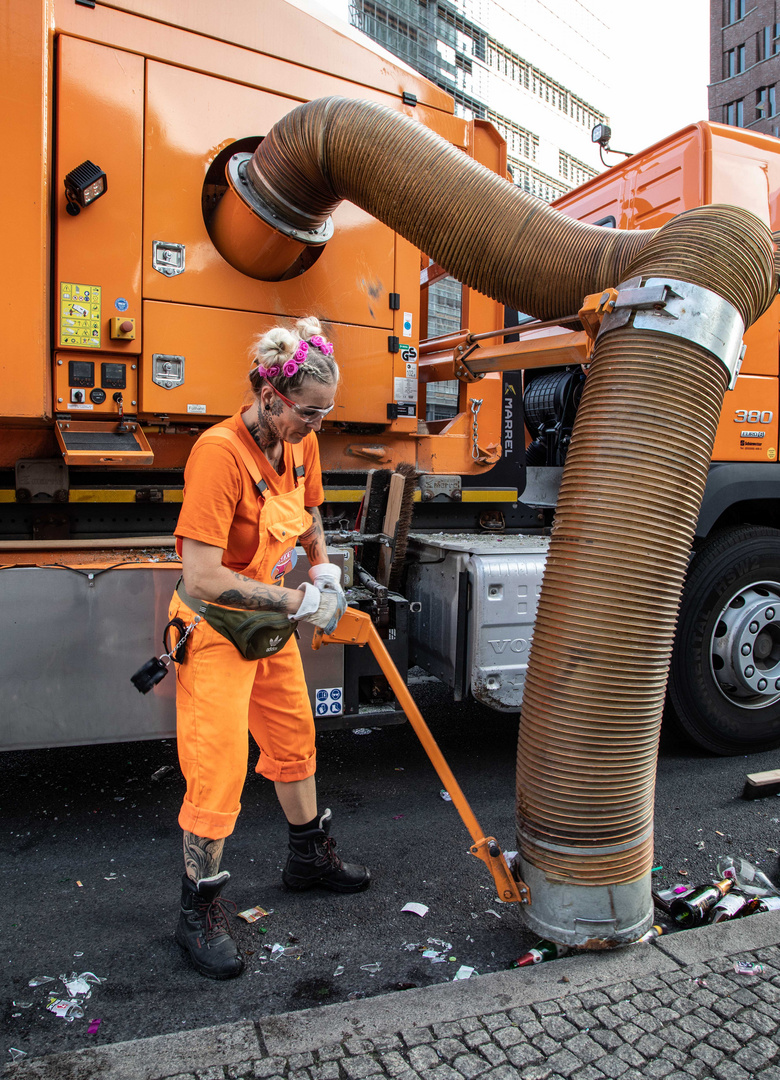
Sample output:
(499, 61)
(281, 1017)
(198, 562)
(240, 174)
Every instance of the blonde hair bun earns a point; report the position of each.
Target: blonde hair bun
(309, 327)
(274, 347)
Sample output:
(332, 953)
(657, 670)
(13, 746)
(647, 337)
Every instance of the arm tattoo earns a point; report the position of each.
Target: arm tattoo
(313, 541)
(201, 856)
(256, 596)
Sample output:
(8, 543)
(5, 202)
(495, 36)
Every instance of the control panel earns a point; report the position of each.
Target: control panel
(98, 388)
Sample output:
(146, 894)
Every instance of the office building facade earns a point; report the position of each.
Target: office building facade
(478, 51)
(745, 64)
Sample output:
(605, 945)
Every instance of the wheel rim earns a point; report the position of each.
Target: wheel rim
(745, 647)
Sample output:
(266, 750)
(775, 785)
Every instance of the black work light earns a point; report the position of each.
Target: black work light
(601, 134)
(83, 185)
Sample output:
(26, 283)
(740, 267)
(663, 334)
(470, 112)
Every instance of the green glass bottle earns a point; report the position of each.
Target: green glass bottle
(541, 951)
(691, 910)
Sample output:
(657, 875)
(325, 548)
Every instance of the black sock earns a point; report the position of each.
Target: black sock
(313, 824)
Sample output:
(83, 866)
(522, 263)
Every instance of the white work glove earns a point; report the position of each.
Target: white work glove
(326, 577)
(319, 608)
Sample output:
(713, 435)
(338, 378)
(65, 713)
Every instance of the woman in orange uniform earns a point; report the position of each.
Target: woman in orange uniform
(252, 488)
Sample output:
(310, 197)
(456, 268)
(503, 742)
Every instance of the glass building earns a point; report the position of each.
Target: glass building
(530, 70)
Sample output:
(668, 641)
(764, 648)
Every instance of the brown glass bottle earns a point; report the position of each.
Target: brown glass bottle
(691, 910)
(761, 903)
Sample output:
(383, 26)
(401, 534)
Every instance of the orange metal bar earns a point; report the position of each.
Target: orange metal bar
(356, 628)
(569, 347)
(430, 274)
(444, 343)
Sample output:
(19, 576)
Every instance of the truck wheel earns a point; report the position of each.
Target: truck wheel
(724, 682)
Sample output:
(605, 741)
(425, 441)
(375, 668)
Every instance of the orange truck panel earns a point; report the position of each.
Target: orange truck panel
(107, 129)
(25, 390)
(214, 346)
(153, 97)
(85, 383)
(280, 41)
(190, 119)
(705, 163)
(749, 425)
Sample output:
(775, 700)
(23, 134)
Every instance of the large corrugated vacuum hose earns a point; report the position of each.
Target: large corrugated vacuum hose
(632, 485)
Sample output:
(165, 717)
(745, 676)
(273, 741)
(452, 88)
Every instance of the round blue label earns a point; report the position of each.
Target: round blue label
(121, 304)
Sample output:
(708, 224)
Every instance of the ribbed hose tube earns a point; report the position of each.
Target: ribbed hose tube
(484, 231)
(624, 524)
(631, 490)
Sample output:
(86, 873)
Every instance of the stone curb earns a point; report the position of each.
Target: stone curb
(294, 1033)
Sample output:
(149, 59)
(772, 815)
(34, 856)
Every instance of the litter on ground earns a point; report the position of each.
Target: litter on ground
(252, 914)
(747, 967)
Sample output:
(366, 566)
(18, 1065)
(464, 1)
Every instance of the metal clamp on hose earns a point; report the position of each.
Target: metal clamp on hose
(684, 310)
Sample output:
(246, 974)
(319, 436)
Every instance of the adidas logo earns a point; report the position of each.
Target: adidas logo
(273, 643)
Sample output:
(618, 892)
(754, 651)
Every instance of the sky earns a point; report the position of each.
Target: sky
(660, 72)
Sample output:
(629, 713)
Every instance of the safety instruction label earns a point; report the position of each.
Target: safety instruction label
(330, 701)
(405, 390)
(79, 315)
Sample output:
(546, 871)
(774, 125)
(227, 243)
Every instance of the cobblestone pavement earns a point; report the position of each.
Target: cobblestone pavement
(644, 1012)
(680, 1025)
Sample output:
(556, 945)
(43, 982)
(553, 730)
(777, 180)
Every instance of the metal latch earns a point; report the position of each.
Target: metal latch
(167, 259)
(167, 370)
(648, 298)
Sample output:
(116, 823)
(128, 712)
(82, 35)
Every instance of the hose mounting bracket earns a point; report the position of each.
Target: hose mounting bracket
(685, 310)
(509, 886)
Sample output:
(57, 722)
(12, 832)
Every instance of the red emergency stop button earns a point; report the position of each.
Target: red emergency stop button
(122, 329)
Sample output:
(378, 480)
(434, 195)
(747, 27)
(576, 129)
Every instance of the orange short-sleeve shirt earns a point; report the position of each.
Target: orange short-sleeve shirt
(220, 501)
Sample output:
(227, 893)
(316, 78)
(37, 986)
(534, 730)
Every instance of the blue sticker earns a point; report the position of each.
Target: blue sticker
(322, 709)
(336, 707)
(335, 694)
(121, 304)
(322, 695)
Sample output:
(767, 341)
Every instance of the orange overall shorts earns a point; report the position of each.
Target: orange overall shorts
(221, 696)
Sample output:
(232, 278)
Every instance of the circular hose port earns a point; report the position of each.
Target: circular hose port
(246, 231)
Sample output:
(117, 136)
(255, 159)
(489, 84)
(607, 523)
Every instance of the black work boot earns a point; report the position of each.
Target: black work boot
(313, 863)
(203, 928)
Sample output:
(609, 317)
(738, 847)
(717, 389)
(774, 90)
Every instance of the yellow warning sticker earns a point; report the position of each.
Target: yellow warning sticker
(80, 315)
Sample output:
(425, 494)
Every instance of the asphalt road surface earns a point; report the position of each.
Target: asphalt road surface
(91, 862)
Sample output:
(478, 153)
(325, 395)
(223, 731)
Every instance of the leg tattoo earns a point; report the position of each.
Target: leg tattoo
(201, 856)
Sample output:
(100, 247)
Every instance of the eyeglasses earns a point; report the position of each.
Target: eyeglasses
(308, 413)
